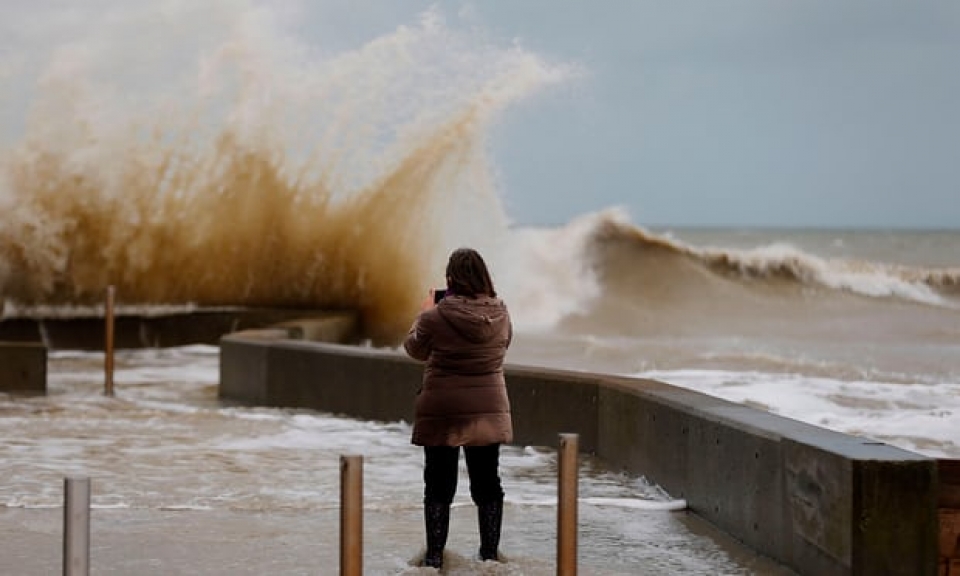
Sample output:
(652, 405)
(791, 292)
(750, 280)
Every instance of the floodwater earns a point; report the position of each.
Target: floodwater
(184, 483)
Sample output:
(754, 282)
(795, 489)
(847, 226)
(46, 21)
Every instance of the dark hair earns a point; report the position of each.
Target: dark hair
(467, 274)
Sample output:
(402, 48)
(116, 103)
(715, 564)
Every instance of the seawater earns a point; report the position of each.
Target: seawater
(853, 330)
(882, 366)
(165, 450)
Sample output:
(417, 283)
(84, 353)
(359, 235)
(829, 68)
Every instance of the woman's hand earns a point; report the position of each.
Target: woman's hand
(428, 302)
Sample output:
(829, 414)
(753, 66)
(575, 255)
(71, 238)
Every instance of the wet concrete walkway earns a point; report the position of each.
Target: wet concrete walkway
(218, 542)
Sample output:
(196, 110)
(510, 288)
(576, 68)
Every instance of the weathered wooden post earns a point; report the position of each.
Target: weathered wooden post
(567, 506)
(351, 515)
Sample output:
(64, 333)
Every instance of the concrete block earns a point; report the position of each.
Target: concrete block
(892, 519)
(23, 367)
(243, 365)
(860, 507)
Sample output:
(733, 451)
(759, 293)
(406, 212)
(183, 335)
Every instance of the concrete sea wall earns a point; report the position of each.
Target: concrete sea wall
(820, 502)
(162, 329)
(25, 341)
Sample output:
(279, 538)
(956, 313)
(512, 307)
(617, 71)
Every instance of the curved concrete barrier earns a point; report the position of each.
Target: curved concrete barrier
(820, 502)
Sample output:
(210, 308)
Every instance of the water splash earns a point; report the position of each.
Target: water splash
(221, 160)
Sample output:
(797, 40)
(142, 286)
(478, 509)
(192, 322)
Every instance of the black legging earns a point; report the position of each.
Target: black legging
(440, 473)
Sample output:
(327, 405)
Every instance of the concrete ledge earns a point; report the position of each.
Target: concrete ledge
(178, 329)
(820, 502)
(333, 327)
(23, 367)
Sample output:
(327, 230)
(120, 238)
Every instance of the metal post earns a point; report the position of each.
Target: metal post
(76, 527)
(567, 507)
(108, 344)
(351, 515)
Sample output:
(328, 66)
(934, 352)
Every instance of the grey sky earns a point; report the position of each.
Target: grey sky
(738, 112)
(748, 112)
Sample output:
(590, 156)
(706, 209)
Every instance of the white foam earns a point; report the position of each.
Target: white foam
(125, 442)
(635, 503)
(545, 274)
(112, 506)
(866, 278)
(185, 508)
(922, 416)
(605, 502)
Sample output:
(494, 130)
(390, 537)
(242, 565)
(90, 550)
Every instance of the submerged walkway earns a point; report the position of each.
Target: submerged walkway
(221, 542)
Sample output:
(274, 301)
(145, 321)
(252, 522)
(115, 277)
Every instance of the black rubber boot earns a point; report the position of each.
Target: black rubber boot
(489, 518)
(437, 520)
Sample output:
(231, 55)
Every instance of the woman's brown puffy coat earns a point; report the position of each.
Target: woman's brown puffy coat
(463, 401)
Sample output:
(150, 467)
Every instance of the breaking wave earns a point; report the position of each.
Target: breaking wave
(209, 156)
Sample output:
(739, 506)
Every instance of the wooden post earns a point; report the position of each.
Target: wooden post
(76, 527)
(351, 515)
(567, 506)
(108, 344)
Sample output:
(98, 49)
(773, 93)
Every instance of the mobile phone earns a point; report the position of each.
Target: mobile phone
(438, 295)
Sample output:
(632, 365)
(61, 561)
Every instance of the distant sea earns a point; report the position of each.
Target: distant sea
(853, 330)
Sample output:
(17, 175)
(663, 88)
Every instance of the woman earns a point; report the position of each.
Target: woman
(463, 402)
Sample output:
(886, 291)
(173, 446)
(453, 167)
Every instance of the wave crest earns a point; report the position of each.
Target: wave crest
(769, 264)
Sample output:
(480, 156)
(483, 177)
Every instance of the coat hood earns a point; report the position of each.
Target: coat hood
(475, 319)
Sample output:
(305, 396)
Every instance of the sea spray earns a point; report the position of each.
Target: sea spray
(208, 156)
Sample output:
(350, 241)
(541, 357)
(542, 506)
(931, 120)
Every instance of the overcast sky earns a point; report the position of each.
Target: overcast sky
(812, 113)
(748, 112)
